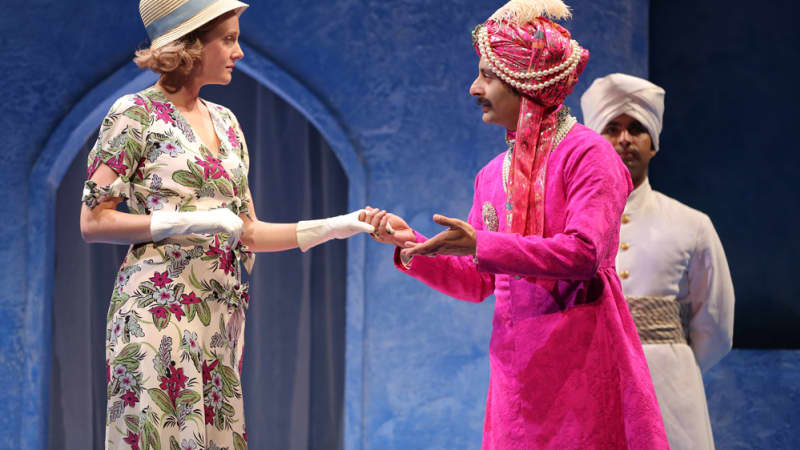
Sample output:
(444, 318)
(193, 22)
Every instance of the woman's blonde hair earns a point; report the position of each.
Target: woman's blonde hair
(176, 60)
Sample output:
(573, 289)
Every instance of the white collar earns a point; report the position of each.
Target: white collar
(639, 196)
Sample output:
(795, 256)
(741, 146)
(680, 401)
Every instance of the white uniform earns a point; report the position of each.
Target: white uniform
(671, 251)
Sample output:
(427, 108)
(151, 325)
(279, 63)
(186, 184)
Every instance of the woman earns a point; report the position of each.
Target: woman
(176, 319)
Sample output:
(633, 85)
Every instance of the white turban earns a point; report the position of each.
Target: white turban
(616, 94)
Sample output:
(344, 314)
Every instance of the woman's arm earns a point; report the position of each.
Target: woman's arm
(261, 236)
(104, 223)
(272, 237)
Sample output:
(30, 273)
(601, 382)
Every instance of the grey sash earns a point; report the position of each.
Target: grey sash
(660, 320)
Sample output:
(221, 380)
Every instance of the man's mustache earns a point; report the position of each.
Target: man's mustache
(483, 102)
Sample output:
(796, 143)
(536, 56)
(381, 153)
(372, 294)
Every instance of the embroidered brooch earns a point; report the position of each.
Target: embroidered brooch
(489, 217)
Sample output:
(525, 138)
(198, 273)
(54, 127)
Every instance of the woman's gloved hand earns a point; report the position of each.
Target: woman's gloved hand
(164, 224)
(315, 232)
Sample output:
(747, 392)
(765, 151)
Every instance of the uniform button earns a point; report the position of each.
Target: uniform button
(624, 246)
(624, 274)
(626, 218)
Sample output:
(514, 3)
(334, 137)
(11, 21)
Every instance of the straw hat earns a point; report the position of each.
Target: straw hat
(168, 20)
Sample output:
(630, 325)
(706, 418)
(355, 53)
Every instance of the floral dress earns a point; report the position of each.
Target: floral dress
(175, 324)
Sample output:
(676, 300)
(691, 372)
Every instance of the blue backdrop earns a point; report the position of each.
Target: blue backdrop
(388, 81)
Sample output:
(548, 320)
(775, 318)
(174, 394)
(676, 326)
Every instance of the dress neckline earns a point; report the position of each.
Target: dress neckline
(222, 152)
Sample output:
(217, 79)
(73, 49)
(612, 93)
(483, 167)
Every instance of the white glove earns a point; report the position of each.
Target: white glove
(164, 224)
(314, 232)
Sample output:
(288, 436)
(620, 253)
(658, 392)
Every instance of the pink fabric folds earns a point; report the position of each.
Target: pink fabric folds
(567, 367)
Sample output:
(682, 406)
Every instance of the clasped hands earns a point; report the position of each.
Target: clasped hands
(457, 240)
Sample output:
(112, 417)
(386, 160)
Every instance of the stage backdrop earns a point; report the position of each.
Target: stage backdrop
(393, 78)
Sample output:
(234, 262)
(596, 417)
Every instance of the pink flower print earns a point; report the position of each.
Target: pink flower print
(216, 381)
(223, 253)
(108, 373)
(140, 168)
(93, 167)
(164, 296)
(159, 312)
(172, 149)
(163, 112)
(232, 138)
(142, 102)
(215, 398)
(161, 279)
(190, 299)
(207, 371)
(117, 328)
(190, 342)
(126, 382)
(209, 413)
(118, 163)
(177, 310)
(133, 440)
(175, 253)
(119, 371)
(174, 383)
(226, 263)
(154, 202)
(130, 398)
(212, 167)
(188, 444)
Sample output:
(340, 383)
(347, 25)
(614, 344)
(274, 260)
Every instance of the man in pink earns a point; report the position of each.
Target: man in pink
(567, 368)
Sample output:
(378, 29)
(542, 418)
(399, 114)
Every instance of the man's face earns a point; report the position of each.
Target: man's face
(633, 144)
(500, 104)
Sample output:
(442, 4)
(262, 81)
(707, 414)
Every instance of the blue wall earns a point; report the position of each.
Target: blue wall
(395, 75)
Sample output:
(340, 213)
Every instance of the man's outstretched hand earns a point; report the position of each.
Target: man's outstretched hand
(389, 228)
(457, 240)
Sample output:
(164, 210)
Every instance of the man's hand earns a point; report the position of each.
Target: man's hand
(389, 228)
(457, 240)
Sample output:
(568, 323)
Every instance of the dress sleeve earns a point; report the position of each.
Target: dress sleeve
(120, 146)
(711, 298)
(596, 186)
(456, 276)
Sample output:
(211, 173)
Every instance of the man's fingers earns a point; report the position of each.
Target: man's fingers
(447, 221)
(427, 247)
(440, 219)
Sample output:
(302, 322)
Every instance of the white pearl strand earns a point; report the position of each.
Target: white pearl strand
(506, 74)
(565, 123)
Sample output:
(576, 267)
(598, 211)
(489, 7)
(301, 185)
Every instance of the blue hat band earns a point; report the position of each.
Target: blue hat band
(177, 17)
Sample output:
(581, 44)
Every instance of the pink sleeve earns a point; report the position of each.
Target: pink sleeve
(455, 276)
(596, 186)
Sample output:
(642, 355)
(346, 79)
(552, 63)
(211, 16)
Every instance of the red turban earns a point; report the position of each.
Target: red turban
(538, 58)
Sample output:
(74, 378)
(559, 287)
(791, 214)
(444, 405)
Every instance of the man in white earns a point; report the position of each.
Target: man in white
(673, 269)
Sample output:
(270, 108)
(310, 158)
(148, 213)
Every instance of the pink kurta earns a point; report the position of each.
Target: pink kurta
(567, 368)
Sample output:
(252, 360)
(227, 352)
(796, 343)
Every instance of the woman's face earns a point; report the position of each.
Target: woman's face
(221, 50)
